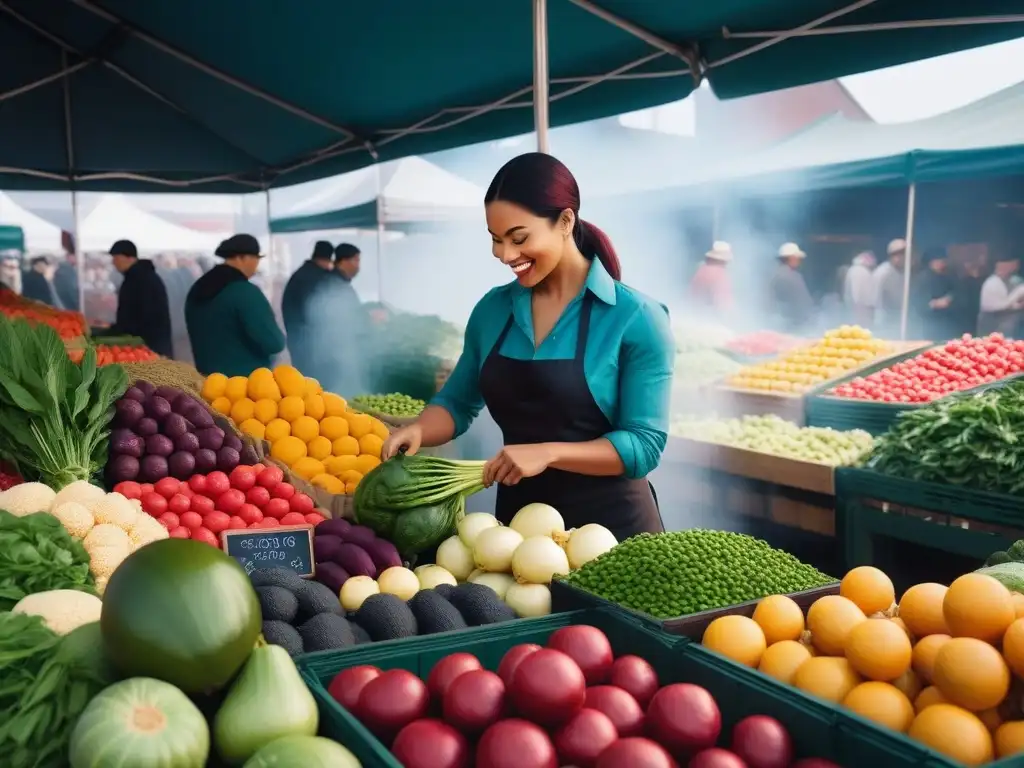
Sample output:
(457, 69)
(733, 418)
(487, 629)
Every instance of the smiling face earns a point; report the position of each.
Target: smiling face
(531, 246)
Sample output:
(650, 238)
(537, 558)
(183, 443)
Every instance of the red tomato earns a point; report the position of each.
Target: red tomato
(154, 504)
(206, 536)
(302, 504)
(282, 491)
(167, 487)
(197, 483)
(237, 523)
(185, 491)
(242, 478)
(201, 504)
(314, 518)
(145, 488)
(179, 503)
(191, 520)
(277, 508)
(293, 518)
(230, 501)
(216, 484)
(129, 489)
(181, 532)
(169, 520)
(250, 513)
(217, 521)
(270, 522)
(258, 467)
(258, 496)
(270, 476)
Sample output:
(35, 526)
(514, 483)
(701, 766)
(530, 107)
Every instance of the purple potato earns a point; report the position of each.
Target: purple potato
(334, 527)
(159, 445)
(153, 468)
(157, 408)
(174, 426)
(231, 440)
(121, 468)
(170, 394)
(145, 387)
(188, 443)
(383, 554)
(331, 575)
(128, 412)
(181, 465)
(227, 459)
(355, 560)
(361, 535)
(146, 426)
(124, 442)
(194, 411)
(326, 547)
(206, 461)
(211, 437)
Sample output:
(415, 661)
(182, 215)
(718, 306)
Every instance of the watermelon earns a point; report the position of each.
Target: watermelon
(307, 751)
(181, 611)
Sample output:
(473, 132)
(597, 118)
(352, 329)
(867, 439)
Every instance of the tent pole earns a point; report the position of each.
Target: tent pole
(540, 73)
(270, 245)
(380, 235)
(79, 266)
(909, 238)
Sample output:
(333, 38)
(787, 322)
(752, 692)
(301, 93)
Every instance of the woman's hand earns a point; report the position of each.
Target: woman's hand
(514, 462)
(409, 438)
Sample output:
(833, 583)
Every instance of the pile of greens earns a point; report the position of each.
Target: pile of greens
(406, 350)
(1015, 554)
(37, 554)
(54, 414)
(973, 440)
(416, 501)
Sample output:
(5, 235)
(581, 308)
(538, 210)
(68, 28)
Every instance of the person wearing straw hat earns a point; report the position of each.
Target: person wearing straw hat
(790, 302)
(711, 286)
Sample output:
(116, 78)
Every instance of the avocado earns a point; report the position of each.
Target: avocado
(360, 634)
(277, 604)
(276, 577)
(997, 558)
(434, 614)
(386, 617)
(314, 598)
(285, 635)
(480, 605)
(325, 632)
(444, 590)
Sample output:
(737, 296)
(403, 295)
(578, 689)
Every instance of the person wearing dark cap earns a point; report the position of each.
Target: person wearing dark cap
(295, 304)
(346, 262)
(35, 282)
(142, 306)
(230, 322)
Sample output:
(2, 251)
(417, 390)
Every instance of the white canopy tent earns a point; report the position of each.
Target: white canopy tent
(117, 219)
(40, 235)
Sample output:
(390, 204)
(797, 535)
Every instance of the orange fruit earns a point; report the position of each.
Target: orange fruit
(253, 428)
(870, 589)
(371, 445)
(290, 408)
(1013, 646)
(345, 446)
(909, 683)
(954, 732)
(925, 651)
(878, 649)
(305, 428)
(265, 410)
(329, 483)
(1018, 604)
(214, 386)
(315, 407)
(221, 405)
(1009, 739)
(307, 468)
(830, 620)
(881, 703)
(335, 465)
(736, 637)
(991, 718)
(379, 428)
(978, 606)
(236, 388)
(276, 429)
(365, 463)
(780, 618)
(312, 386)
(921, 609)
(359, 424)
(827, 677)
(333, 427)
(290, 381)
(319, 448)
(781, 660)
(971, 674)
(902, 625)
(929, 697)
(242, 409)
(334, 405)
(288, 450)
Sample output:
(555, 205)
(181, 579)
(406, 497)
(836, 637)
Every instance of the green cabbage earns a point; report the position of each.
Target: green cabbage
(1010, 575)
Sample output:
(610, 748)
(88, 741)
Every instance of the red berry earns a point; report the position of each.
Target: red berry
(270, 522)
(314, 518)
(216, 484)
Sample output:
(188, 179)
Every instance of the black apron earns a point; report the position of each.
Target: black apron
(541, 401)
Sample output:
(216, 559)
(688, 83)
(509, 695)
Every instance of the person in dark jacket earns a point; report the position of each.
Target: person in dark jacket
(295, 305)
(966, 302)
(230, 322)
(931, 299)
(789, 302)
(65, 283)
(142, 308)
(36, 285)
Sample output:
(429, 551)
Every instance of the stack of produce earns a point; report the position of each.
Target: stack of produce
(938, 666)
(201, 508)
(693, 337)
(163, 372)
(571, 702)
(1014, 554)
(953, 367)
(395, 404)
(763, 343)
(166, 432)
(312, 432)
(113, 349)
(53, 413)
(778, 437)
(841, 350)
(701, 367)
(675, 574)
(68, 325)
(971, 440)
(405, 351)
(519, 562)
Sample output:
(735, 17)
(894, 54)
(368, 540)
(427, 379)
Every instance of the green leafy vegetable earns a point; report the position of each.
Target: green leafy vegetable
(37, 554)
(416, 501)
(54, 414)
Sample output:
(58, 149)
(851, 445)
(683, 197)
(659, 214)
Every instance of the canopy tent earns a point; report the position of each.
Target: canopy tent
(413, 195)
(12, 239)
(114, 218)
(39, 234)
(120, 95)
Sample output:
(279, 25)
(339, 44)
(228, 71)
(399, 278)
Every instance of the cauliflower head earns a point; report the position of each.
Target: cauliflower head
(115, 509)
(75, 517)
(62, 610)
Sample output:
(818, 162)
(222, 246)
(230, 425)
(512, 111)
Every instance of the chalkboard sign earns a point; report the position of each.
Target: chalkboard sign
(286, 546)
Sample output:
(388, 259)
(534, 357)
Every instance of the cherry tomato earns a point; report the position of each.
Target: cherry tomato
(270, 476)
(167, 487)
(293, 518)
(230, 501)
(169, 520)
(146, 488)
(129, 489)
(206, 536)
(270, 522)
(242, 478)
(282, 491)
(237, 524)
(314, 518)
(250, 513)
(258, 467)
(191, 520)
(217, 521)
(201, 505)
(185, 491)
(197, 483)
(302, 504)
(179, 503)
(277, 508)
(181, 532)
(216, 484)
(154, 504)
(258, 496)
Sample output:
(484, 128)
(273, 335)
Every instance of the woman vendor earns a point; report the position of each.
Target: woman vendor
(574, 366)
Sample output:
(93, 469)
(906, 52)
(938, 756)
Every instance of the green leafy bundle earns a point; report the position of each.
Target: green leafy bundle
(54, 414)
(416, 501)
(37, 554)
(974, 440)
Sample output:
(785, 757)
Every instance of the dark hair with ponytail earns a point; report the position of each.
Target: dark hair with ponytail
(545, 187)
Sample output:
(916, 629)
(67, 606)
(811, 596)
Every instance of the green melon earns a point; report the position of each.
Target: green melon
(181, 611)
(307, 751)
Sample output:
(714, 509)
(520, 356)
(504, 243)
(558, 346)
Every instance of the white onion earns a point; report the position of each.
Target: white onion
(355, 590)
(499, 582)
(476, 572)
(539, 520)
(431, 576)
(399, 581)
(587, 543)
(538, 560)
(529, 600)
(494, 548)
(455, 557)
(473, 524)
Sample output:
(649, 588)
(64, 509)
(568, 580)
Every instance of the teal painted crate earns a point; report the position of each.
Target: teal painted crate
(816, 727)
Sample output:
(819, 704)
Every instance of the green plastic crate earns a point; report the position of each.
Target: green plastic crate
(817, 728)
